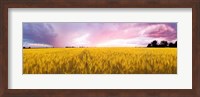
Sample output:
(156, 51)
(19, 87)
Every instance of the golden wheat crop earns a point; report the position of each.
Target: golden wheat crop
(100, 61)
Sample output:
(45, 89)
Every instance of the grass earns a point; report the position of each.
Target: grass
(100, 61)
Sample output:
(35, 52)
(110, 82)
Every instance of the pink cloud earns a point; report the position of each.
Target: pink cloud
(160, 31)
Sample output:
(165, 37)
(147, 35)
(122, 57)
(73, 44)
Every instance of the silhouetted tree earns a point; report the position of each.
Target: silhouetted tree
(29, 47)
(175, 44)
(24, 47)
(171, 44)
(163, 44)
(149, 45)
(154, 43)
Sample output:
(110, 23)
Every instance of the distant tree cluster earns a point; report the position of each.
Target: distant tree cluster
(162, 44)
(75, 47)
(35, 47)
(26, 47)
(70, 47)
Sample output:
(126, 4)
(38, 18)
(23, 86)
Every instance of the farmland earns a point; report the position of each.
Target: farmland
(113, 60)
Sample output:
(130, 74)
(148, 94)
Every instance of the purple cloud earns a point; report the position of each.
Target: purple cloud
(161, 31)
(38, 33)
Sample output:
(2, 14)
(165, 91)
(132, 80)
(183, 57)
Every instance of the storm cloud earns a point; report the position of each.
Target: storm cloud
(38, 33)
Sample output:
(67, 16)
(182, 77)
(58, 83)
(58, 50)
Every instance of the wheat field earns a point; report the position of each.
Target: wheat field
(100, 61)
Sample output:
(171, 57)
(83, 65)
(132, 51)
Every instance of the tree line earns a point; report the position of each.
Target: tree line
(152, 44)
(162, 44)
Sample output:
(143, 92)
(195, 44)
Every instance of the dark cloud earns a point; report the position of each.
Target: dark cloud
(42, 33)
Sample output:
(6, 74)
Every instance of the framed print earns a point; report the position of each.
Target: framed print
(99, 48)
(109, 48)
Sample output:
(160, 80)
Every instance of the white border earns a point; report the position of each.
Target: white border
(182, 80)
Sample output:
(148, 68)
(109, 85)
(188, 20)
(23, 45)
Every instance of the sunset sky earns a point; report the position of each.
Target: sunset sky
(96, 34)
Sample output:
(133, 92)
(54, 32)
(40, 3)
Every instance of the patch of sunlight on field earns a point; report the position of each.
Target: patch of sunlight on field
(100, 61)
